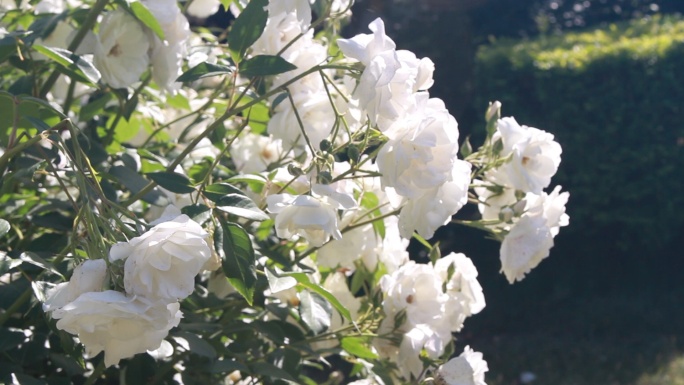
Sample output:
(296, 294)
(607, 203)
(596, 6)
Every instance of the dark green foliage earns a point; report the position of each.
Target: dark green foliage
(613, 98)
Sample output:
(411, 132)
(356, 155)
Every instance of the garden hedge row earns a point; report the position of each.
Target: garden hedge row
(614, 98)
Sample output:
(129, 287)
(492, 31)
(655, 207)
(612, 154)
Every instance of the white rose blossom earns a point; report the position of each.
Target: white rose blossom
(431, 313)
(535, 156)
(552, 206)
(121, 54)
(312, 217)
(524, 247)
(467, 369)
(162, 263)
(435, 207)
(87, 277)
(421, 152)
(120, 326)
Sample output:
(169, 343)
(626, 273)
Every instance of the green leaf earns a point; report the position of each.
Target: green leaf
(4, 227)
(248, 27)
(227, 366)
(198, 212)
(25, 379)
(265, 65)
(34, 259)
(172, 181)
(94, 107)
(305, 282)
(194, 344)
(7, 263)
(315, 311)
(143, 14)
(204, 70)
(278, 284)
(466, 148)
(135, 182)
(217, 191)
(76, 66)
(241, 206)
(358, 346)
(270, 370)
(10, 339)
(239, 261)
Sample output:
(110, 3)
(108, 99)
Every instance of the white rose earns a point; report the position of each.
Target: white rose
(121, 55)
(552, 206)
(524, 247)
(162, 263)
(421, 152)
(467, 369)
(493, 199)
(121, 326)
(253, 153)
(314, 218)
(416, 289)
(365, 47)
(435, 207)
(88, 276)
(466, 296)
(317, 121)
(535, 156)
(167, 56)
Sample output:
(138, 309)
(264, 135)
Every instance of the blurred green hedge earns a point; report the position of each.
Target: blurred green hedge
(614, 98)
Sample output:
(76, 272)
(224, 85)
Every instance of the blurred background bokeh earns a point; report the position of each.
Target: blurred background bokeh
(606, 77)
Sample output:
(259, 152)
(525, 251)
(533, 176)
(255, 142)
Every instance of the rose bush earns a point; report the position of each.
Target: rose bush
(234, 206)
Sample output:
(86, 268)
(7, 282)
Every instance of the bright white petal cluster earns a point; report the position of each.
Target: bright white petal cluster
(434, 304)
(125, 47)
(120, 326)
(387, 87)
(309, 216)
(88, 276)
(535, 156)
(467, 369)
(512, 200)
(122, 52)
(419, 161)
(162, 263)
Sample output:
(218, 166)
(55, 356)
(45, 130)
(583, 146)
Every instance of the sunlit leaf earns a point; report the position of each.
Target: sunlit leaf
(238, 259)
(241, 206)
(265, 65)
(315, 311)
(172, 181)
(248, 27)
(204, 70)
(143, 14)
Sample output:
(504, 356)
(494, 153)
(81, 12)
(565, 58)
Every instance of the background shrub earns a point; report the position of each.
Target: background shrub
(614, 98)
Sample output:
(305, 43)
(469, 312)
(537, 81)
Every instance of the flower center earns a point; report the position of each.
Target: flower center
(525, 160)
(409, 299)
(115, 51)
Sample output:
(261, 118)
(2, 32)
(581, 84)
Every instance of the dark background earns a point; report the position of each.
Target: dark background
(606, 306)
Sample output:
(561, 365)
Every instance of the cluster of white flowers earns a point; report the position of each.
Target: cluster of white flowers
(433, 302)
(513, 202)
(159, 270)
(350, 157)
(419, 162)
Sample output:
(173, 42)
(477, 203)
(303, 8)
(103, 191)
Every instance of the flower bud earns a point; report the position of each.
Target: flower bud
(324, 177)
(353, 153)
(494, 111)
(506, 215)
(325, 145)
(294, 170)
(519, 207)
